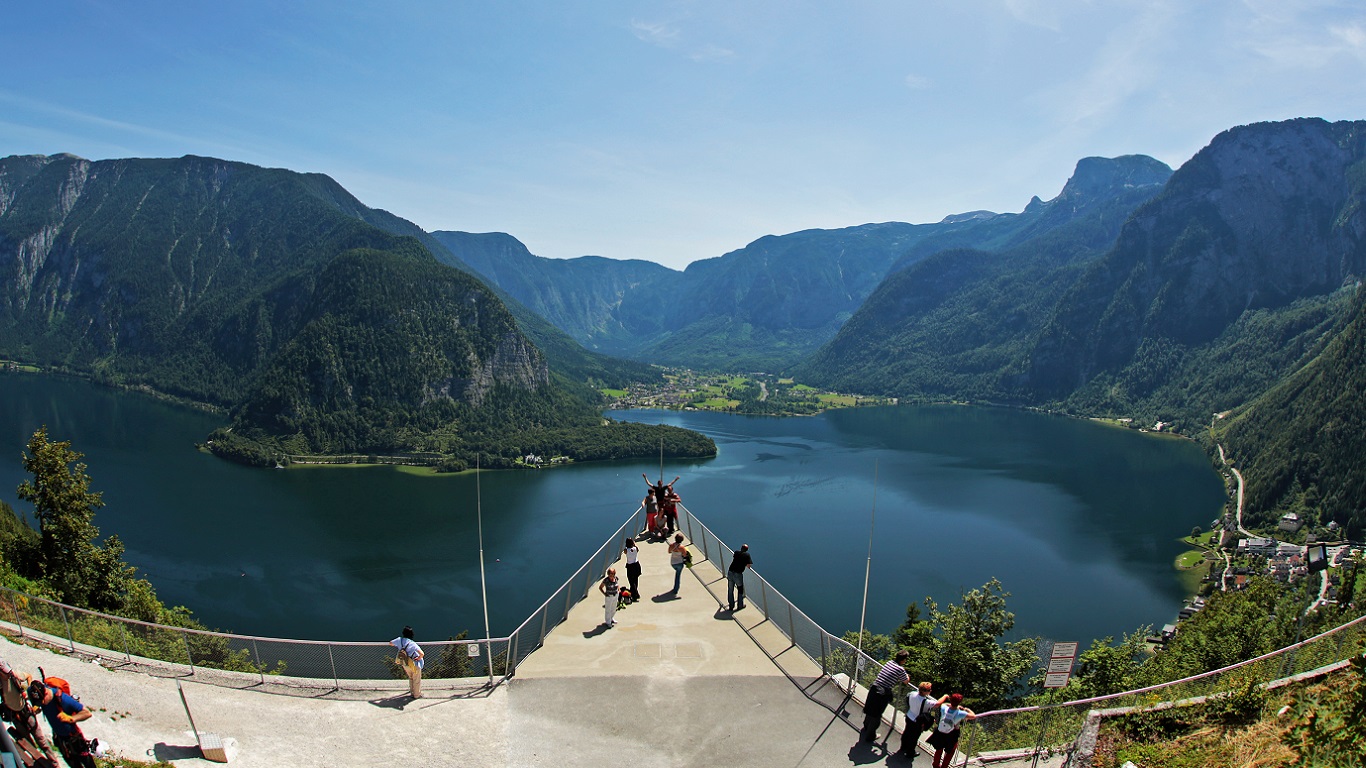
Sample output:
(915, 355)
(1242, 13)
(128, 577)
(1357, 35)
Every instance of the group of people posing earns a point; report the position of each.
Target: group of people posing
(24, 698)
(661, 519)
(945, 714)
(661, 508)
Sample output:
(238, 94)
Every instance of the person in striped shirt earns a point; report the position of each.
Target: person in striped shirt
(880, 695)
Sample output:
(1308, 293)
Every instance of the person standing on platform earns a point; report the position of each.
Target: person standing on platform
(676, 550)
(735, 577)
(893, 673)
(609, 587)
(633, 568)
(919, 718)
(945, 736)
(410, 658)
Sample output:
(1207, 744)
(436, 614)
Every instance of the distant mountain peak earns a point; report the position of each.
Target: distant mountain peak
(958, 218)
(1103, 176)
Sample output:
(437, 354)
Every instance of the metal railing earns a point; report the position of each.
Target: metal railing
(247, 660)
(529, 636)
(244, 659)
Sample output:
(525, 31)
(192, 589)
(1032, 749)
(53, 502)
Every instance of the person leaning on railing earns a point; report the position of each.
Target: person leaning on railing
(920, 707)
(893, 673)
(945, 736)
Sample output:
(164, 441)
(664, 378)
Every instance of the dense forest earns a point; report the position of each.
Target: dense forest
(320, 325)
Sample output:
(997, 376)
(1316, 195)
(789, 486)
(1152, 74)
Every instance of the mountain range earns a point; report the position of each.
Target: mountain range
(1219, 299)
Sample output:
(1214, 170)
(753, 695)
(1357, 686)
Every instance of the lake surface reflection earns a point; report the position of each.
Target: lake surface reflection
(1078, 520)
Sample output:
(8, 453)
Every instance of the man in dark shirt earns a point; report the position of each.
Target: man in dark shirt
(735, 577)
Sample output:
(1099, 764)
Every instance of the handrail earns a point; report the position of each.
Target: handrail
(1182, 681)
(511, 653)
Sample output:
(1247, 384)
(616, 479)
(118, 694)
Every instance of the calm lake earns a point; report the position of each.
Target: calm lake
(1078, 520)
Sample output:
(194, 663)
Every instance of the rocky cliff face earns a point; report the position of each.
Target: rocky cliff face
(1265, 215)
(262, 290)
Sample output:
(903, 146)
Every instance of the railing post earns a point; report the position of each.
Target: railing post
(123, 636)
(545, 616)
(67, 624)
(763, 596)
(260, 668)
(967, 753)
(687, 520)
(14, 605)
(825, 671)
(189, 656)
(333, 662)
(791, 624)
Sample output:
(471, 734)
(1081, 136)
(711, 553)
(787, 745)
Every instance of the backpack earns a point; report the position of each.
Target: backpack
(57, 683)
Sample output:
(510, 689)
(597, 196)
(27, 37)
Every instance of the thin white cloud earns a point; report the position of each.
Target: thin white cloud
(1038, 13)
(712, 53)
(655, 33)
(918, 82)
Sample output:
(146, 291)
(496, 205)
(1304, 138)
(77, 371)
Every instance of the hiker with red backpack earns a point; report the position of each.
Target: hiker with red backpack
(63, 711)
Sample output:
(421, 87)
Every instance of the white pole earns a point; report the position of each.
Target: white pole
(661, 461)
(483, 583)
(867, 570)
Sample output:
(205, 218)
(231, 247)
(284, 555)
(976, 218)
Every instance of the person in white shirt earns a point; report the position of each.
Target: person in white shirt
(633, 568)
(920, 707)
(410, 657)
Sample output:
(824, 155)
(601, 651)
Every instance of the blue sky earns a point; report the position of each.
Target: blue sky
(670, 131)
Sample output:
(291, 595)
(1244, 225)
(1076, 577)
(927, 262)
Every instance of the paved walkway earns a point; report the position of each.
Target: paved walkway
(678, 682)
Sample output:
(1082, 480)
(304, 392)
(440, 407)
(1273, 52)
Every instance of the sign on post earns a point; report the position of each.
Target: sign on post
(1060, 662)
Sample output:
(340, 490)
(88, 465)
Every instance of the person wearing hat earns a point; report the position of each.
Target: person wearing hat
(410, 658)
(945, 736)
(63, 712)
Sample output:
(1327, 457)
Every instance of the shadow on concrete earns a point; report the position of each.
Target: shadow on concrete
(393, 702)
(165, 753)
(665, 597)
(865, 753)
(595, 631)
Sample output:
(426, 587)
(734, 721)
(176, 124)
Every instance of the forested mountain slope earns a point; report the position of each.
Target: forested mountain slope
(1232, 287)
(955, 323)
(266, 292)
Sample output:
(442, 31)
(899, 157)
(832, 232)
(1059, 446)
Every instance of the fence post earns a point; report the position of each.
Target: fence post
(763, 596)
(333, 662)
(967, 753)
(67, 624)
(188, 655)
(687, 520)
(14, 605)
(825, 671)
(791, 624)
(123, 635)
(545, 616)
(513, 659)
(260, 668)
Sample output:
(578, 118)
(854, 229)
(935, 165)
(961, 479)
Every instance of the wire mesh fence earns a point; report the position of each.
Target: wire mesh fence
(531, 633)
(170, 650)
(1041, 731)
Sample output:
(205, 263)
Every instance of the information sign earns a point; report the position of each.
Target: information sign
(1060, 661)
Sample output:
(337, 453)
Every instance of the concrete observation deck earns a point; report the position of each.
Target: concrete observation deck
(678, 682)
